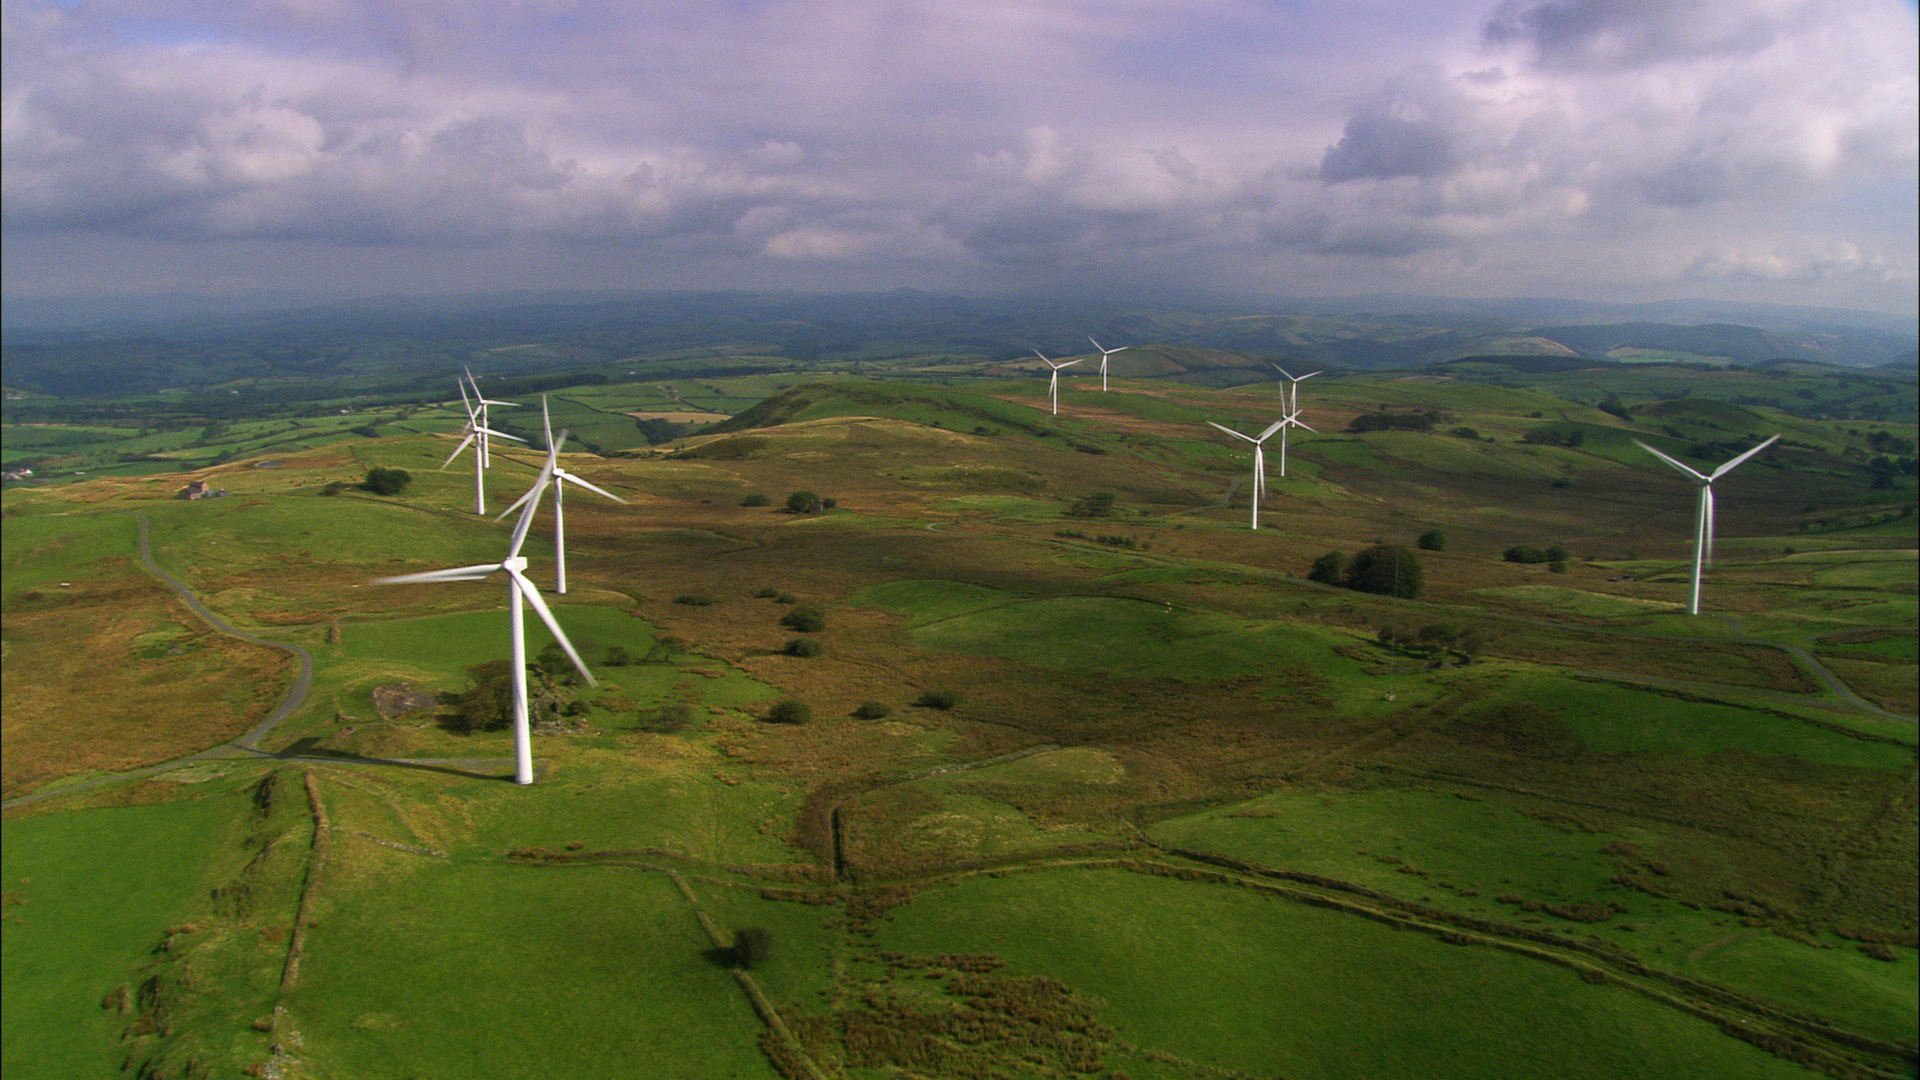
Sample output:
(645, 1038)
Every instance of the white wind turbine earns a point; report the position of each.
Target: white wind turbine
(1291, 408)
(477, 436)
(1703, 515)
(554, 478)
(1104, 353)
(522, 591)
(1053, 384)
(486, 444)
(1259, 459)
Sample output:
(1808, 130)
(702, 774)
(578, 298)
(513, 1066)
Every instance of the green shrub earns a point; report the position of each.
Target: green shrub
(334, 488)
(617, 656)
(939, 699)
(756, 500)
(766, 593)
(751, 947)
(1386, 570)
(1524, 553)
(1329, 569)
(384, 481)
(804, 502)
(872, 710)
(1432, 540)
(790, 711)
(802, 646)
(694, 600)
(807, 620)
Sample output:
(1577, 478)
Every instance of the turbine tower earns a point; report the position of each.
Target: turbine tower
(477, 429)
(1259, 459)
(1291, 408)
(521, 591)
(1703, 514)
(555, 479)
(1104, 353)
(1053, 385)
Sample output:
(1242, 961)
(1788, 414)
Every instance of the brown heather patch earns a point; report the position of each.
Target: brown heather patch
(77, 699)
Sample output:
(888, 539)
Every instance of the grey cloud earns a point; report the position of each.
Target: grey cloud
(1616, 34)
(1380, 144)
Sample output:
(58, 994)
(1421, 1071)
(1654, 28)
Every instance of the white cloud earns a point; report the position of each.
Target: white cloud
(1369, 143)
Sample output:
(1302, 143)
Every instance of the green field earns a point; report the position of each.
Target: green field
(1298, 991)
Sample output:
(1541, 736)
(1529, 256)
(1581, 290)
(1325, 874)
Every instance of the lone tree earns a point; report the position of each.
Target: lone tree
(384, 481)
(804, 502)
(1329, 569)
(1386, 570)
(790, 711)
(751, 946)
(1432, 540)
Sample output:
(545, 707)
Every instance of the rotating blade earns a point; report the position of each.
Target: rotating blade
(532, 596)
(458, 573)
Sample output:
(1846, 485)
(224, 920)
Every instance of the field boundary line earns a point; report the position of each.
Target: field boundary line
(316, 862)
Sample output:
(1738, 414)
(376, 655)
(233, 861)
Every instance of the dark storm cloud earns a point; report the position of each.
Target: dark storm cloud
(1330, 143)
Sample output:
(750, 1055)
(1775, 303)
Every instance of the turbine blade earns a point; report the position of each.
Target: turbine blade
(1689, 470)
(572, 479)
(1235, 434)
(1041, 355)
(1271, 428)
(508, 404)
(532, 492)
(1295, 421)
(458, 573)
(1283, 371)
(533, 504)
(1066, 363)
(501, 434)
(1305, 377)
(1706, 541)
(1096, 344)
(1728, 467)
(456, 451)
(546, 421)
(532, 596)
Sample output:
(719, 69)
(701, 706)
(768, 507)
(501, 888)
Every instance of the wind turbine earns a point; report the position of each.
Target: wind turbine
(477, 429)
(1053, 384)
(555, 479)
(1259, 459)
(1104, 353)
(1703, 516)
(522, 591)
(1292, 409)
(486, 444)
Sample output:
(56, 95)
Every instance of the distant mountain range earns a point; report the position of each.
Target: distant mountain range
(526, 332)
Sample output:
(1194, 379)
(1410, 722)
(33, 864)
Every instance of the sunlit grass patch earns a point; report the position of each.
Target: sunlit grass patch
(1577, 601)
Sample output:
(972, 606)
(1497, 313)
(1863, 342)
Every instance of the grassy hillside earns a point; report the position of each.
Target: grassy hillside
(1090, 778)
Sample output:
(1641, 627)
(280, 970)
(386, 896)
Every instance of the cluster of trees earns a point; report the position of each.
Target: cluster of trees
(807, 502)
(1527, 553)
(1390, 421)
(1384, 569)
(1434, 640)
(1097, 505)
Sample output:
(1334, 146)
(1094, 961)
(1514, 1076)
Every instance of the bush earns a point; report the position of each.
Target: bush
(756, 500)
(751, 946)
(1386, 570)
(384, 481)
(1465, 433)
(1432, 540)
(766, 593)
(1557, 566)
(790, 711)
(872, 710)
(802, 646)
(804, 502)
(939, 699)
(1329, 569)
(667, 719)
(617, 656)
(1524, 553)
(785, 598)
(807, 620)
(1097, 505)
(334, 488)
(694, 600)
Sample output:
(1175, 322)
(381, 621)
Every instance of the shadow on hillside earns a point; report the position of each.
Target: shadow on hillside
(308, 749)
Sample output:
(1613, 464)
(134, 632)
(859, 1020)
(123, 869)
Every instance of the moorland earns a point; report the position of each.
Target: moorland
(1078, 775)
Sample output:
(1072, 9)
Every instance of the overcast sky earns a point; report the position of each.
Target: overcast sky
(1604, 149)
